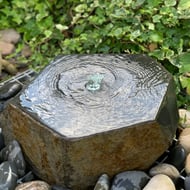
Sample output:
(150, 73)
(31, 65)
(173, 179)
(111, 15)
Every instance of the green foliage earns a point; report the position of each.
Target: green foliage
(159, 28)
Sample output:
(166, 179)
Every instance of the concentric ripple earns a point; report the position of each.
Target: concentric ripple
(131, 91)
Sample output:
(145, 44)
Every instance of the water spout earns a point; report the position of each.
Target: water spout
(94, 82)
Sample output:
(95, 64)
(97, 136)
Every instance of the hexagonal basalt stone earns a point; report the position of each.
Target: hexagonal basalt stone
(85, 115)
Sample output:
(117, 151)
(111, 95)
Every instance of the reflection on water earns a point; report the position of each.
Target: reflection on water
(132, 88)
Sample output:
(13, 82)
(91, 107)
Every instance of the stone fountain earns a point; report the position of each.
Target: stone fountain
(85, 115)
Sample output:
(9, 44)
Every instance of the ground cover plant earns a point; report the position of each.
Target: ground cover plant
(159, 28)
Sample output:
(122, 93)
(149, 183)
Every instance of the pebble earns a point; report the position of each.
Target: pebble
(6, 48)
(187, 164)
(187, 183)
(166, 169)
(130, 180)
(10, 90)
(34, 185)
(184, 117)
(103, 183)
(160, 182)
(184, 139)
(8, 176)
(9, 35)
(13, 153)
(26, 51)
(177, 157)
(8, 67)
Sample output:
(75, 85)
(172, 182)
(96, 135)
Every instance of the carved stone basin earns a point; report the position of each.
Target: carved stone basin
(85, 115)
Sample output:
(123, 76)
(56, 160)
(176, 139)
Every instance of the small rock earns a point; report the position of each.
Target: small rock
(6, 48)
(166, 169)
(153, 46)
(177, 157)
(58, 187)
(160, 182)
(187, 164)
(10, 90)
(13, 153)
(9, 35)
(187, 183)
(36, 185)
(26, 51)
(8, 176)
(8, 67)
(102, 183)
(184, 117)
(184, 139)
(2, 144)
(130, 180)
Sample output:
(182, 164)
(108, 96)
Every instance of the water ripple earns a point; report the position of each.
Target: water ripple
(131, 91)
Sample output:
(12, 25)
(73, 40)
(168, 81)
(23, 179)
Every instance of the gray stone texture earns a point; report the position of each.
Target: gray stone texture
(130, 134)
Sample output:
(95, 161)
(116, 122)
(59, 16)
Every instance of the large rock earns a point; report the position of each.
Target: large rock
(85, 115)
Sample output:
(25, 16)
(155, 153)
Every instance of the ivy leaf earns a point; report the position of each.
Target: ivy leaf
(21, 4)
(42, 12)
(78, 29)
(169, 53)
(185, 82)
(184, 60)
(135, 34)
(116, 32)
(61, 27)
(138, 3)
(184, 14)
(170, 3)
(17, 18)
(150, 26)
(156, 36)
(184, 4)
(154, 3)
(81, 8)
(48, 33)
(159, 54)
(156, 18)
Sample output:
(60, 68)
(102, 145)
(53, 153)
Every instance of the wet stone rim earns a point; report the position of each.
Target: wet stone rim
(130, 81)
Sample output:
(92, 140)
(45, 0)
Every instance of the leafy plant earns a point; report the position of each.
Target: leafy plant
(159, 28)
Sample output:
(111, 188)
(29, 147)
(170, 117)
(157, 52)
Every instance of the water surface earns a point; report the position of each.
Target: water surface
(131, 91)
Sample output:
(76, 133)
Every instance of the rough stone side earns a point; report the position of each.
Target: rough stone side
(77, 163)
(130, 148)
(42, 147)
